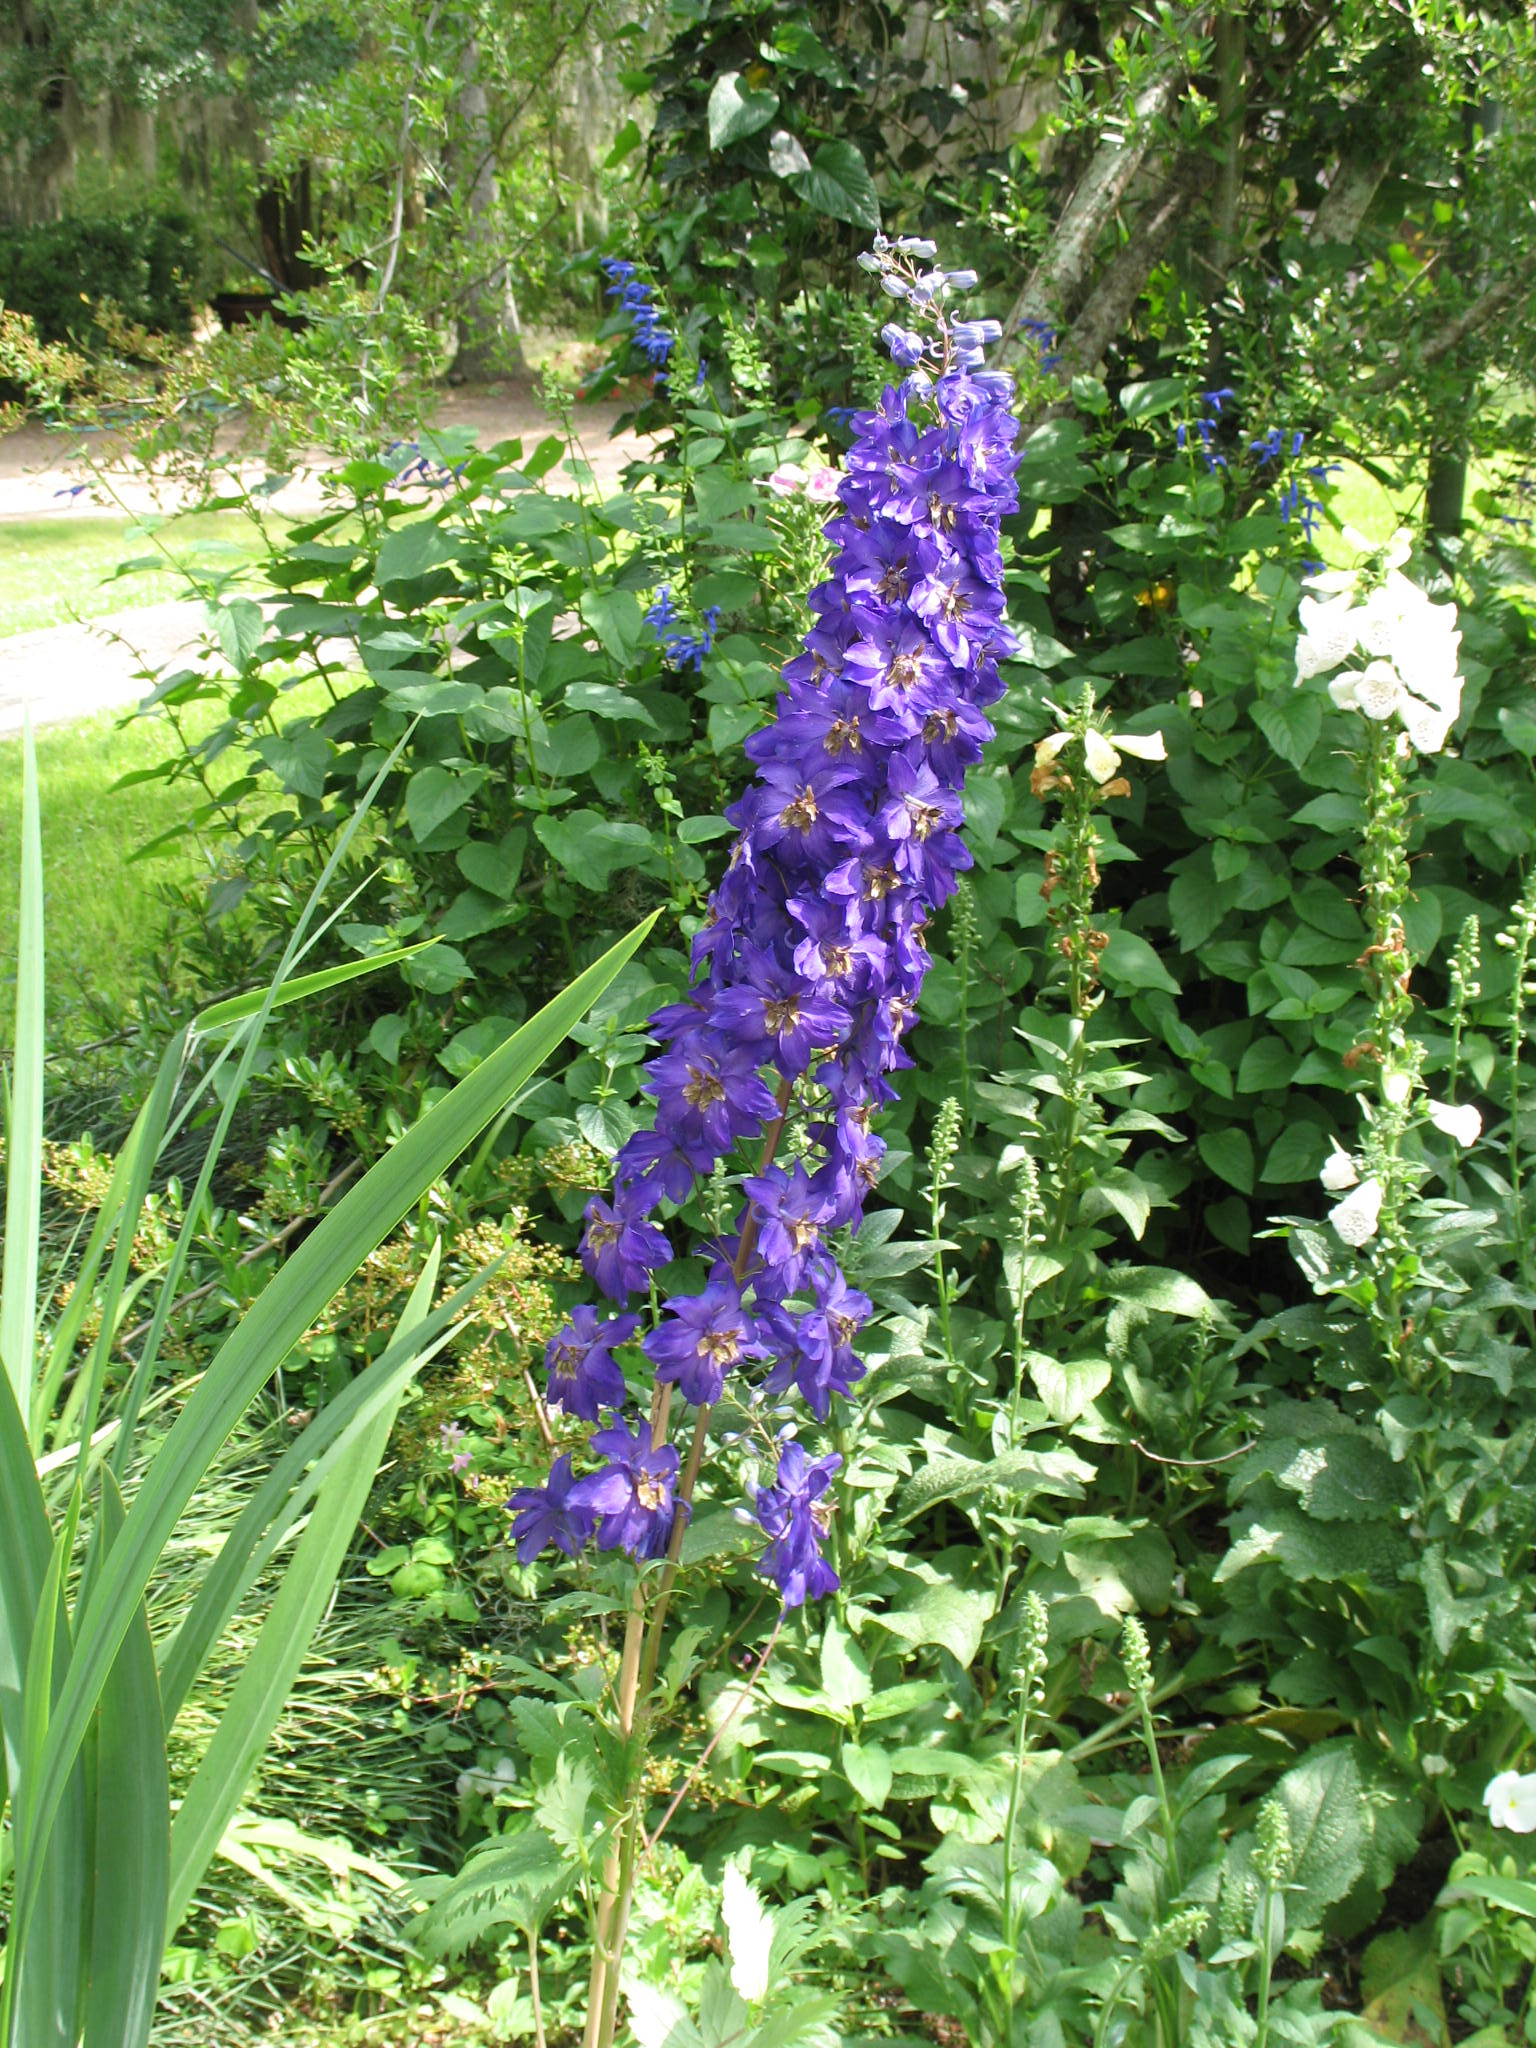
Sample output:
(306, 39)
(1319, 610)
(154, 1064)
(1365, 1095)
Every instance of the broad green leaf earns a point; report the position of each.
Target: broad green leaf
(211, 1800)
(1323, 1800)
(24, 1121)
(736, 110)
(494, 866)
(931, 1608)
(1157, 1287)
(838, 184)
(270, 1328)
(1128, 962)
(434, 794)
(412, 551)
(590, 847)
(867, 1767)
(1229, 1153)
(615, 617)
(604, 700)
(133, 1832)
(1292, 722)
(845, 1681)
(1068, 1385)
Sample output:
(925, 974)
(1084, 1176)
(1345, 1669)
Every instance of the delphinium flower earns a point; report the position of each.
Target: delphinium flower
(807, 972)
(1392, 654)
(634, 296)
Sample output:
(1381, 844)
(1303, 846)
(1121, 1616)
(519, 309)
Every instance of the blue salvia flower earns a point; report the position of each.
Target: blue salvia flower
(634, 296)
(807, 973)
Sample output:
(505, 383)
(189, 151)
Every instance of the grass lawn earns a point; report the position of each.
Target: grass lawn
(105, 913)
(57, 569)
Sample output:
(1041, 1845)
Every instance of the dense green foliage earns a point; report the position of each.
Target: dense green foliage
(143, 264)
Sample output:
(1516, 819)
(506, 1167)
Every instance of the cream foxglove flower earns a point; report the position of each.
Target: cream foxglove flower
(1339, 1171)
(1511, 1802)
(1459, 1121)
(1396, 1086)
(1102, 751)
(749, 1934)
(1378, 690)
(1356, 1217)
(1328, 634)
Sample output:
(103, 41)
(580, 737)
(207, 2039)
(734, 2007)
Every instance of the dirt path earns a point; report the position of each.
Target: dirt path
(68, 671)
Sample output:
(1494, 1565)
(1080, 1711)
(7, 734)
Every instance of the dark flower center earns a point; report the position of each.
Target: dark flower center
(720, 1347)
(650, 1491)
(926, 819)
(838, 960)
(800, 813)
(940, 725)
(893, 584)
(903, 672)
(702, 1088)
(843, 736)
(802, 1231)
(780, 1013)
(601, 1232)
(879, 881)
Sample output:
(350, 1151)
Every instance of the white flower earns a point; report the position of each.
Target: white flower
(1511, 1802)
(1338, 1170)
(1399, 548)
(1378, 691)
(1356, 1217)
(1458, 1120)
(1102, 751)
(821, 485)
(787, 480)
(749, 1934)
(1396, 1086)
(1328, 634)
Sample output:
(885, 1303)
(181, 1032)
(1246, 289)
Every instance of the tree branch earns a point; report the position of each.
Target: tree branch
(1483, 310)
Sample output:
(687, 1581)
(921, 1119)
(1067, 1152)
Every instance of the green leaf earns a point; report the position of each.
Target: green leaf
(737, 110)
(845, 1681)
(432, 796)
(590, 847)
(494, 866)
(1068, 1385)
(838, 183)
(1323, 1800)
(1267, 1063)
(603, 700)
(1291, 721)
(1157, 1287)
(615, 617)
(300, 760)
(1229, 1153)
(412, 551)
(1128, 962)
(301, 987)
(931, 1608)
(24, 1119)
(867, 1767)
(133, 1832)
(1297, 1154)
(1157, 395)
(210, 1801)
(264, 1336)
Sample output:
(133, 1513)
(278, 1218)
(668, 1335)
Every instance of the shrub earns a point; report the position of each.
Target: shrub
(62, 272)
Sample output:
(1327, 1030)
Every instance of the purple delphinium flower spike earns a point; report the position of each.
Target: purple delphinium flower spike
(632, 1494)
(807, 970)
(583, 1378)
(544, 1515)
(795, 1514)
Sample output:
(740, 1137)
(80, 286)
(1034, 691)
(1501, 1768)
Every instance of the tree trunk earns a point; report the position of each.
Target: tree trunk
(490, 332)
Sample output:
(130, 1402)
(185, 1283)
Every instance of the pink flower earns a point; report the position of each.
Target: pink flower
(821, 485)
(787, 481)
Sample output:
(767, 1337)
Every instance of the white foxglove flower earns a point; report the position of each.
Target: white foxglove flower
(1339, 1170)
(1511, 1802)
(1378, 690)
(1459, 1121)
(1356, 1217)
(1102, 751)
(1396, 1087)
(1328, 634)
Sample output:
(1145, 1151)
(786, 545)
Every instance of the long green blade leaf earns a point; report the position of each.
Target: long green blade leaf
(231, 1012)
(263, 1686)
(24, 1135)
(133, 1832)
(290, 1303)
